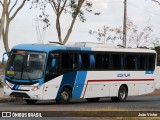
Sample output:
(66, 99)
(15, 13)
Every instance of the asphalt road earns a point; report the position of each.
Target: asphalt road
(139, 103)
(134, 103)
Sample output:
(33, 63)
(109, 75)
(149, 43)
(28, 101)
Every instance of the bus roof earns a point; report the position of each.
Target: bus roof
(89, 47)
(43, 47)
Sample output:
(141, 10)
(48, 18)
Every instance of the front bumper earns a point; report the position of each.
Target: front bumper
(38, 94)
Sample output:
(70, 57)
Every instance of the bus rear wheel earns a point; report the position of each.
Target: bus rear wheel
(92, 99)
(122, 95)
(65, 96)
(29, 101)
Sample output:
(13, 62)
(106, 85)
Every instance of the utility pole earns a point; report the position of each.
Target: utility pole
(124, 23)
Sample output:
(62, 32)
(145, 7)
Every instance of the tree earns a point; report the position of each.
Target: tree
(9, 13)
(2, 21)
(135, 36)
(156, 1)
(157, 49)
(74, 7)
(107, 34)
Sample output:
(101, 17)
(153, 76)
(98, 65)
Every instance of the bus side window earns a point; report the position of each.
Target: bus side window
(92, 61)
(116, 62)
(151, 62)
(74, 61)
(69, 61)
(85, 60)
(65, 61)
(105, 61)
(142, 62)
(51, 71)
(131, 62)
(79, 61)
(98, 61)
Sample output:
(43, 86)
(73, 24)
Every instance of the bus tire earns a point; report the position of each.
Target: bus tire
(30, 101)
(92, 99)
(122, 95)
(65, 96)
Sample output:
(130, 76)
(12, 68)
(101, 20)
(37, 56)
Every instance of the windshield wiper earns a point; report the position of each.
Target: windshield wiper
(14, 75)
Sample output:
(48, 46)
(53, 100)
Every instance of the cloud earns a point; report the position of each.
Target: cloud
(100, 4)
(103, 5)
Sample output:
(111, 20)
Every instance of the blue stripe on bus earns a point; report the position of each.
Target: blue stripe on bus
(73, 48)
(79, 84)
(41, 81)
(80, 81)
(17, 87)
(14, 87)
(149, 72)
(68, 78)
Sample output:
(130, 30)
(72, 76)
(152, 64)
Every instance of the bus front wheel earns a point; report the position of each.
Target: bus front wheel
(29, 101)
(122, 95)
(65, 96)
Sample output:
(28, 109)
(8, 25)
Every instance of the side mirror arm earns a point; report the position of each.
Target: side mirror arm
(3, 57)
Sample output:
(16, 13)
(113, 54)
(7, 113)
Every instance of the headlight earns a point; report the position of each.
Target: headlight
(36, 88)
(6, 86)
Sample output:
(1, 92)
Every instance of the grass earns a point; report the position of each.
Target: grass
(156, 92)
(139, 118)
(110, 114)
(2, 72)
(1, 83)
(0, 65)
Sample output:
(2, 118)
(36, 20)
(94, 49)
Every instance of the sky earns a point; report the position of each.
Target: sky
(23, 28)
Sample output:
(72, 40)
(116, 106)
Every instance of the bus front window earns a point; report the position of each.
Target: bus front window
(26, 65)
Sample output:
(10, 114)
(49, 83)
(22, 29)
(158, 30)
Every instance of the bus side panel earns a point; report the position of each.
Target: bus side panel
(133, 89)
(96, 90)
(68, 80)
(79, 84)
(95, 85)
(51, 88)
(138, 83)
(145, 88)
(114, 87)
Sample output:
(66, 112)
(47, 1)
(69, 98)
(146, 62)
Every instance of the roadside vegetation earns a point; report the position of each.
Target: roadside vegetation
(157, 49)
(1, 72)
(140, 118)
(0, 65)
(156, 92)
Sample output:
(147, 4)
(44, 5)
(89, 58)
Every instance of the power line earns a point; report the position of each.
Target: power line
(108, 2)
(148, 11)
(131, 4)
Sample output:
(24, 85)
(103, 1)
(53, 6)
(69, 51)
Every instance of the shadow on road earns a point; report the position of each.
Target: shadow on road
(132, 100)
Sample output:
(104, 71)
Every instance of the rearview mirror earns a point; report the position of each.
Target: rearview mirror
(3, 57)
(3, 60)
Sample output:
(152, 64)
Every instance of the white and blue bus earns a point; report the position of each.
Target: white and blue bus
(78, 70)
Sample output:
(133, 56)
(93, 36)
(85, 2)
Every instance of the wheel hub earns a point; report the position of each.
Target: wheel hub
(64, 95)
(122, 94)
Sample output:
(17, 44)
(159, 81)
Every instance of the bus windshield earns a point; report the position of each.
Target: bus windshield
(25, 65)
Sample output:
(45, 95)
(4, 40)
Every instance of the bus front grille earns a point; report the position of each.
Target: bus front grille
(19, 94)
